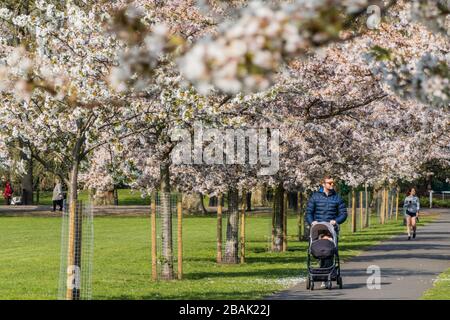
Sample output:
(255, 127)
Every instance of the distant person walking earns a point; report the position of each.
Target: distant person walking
(411, 207)
(7, 193)
(58, 196)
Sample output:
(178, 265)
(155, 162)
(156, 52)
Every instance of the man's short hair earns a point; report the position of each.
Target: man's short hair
(325, 177)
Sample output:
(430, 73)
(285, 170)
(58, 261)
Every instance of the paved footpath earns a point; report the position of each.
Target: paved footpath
(122, 210)
(408, 268)
(42, 210)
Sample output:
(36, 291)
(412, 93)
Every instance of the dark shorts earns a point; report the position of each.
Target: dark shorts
(411, 214)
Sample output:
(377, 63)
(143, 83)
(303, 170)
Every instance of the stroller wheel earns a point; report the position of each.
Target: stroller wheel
(308, 284)
(311, 285)
(329, 284)
(339, 282)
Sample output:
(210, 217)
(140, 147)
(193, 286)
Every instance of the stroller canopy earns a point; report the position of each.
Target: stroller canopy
(322, 226)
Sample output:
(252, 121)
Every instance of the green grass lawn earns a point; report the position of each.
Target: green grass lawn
(441, 288)
(30, 249)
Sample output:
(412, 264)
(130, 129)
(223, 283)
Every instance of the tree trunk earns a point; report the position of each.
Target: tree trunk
(269, 195)
(367, 217)
(202, 204)
(293, 201)
(305, 224)
(264, 195)
(232, 241)
(72, 185)
(259, 197)
(219, 229)
(27, 184)
(190, 203)
(278, 202)
(116, 196)
(104, 198)
(212, 202)
(242, 226)
(27, 179)
(353, 210)
(166, 225)
(38, 187)
(249, 201)
(300, 215)
(75, 223)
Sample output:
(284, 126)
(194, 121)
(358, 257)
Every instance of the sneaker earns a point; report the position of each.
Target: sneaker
(409, 237)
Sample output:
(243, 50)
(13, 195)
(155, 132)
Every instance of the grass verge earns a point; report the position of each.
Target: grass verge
(30, 248)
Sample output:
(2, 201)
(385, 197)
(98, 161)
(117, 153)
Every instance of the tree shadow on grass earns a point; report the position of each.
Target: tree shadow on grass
(263, 274)
(208, 295)
(275, 260)
(372, 234)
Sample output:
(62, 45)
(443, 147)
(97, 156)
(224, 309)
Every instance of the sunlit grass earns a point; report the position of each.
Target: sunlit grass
(441, 288)
(30, 251)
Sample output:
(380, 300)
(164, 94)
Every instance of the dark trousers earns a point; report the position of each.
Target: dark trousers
(59, 203)
(8, 201)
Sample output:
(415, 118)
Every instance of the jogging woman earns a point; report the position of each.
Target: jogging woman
(411, 208)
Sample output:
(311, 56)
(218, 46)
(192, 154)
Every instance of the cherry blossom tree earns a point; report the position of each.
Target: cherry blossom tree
(322, 95)
(246, 54)
(101, 88)
(4, 155)
(55, 95)
(168, 101)
(414, 59)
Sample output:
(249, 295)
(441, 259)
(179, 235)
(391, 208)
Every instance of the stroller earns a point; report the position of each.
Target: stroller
(326, 252)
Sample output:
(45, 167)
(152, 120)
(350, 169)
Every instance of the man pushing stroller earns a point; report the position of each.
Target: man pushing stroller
(326, 206)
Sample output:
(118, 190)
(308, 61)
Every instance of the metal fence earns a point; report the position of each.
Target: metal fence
(438, 195)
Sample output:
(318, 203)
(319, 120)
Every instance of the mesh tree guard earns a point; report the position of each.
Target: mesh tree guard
(378, 203)
(360, 209)
(219, 231)
(362, 199)
(231, 229)
(77, 249)
(386, 204)
(368, 209)
(231, 225)
(278, 219)
(166, 235)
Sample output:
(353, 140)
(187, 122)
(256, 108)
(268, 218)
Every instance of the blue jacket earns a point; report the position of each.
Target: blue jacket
(325, 208)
